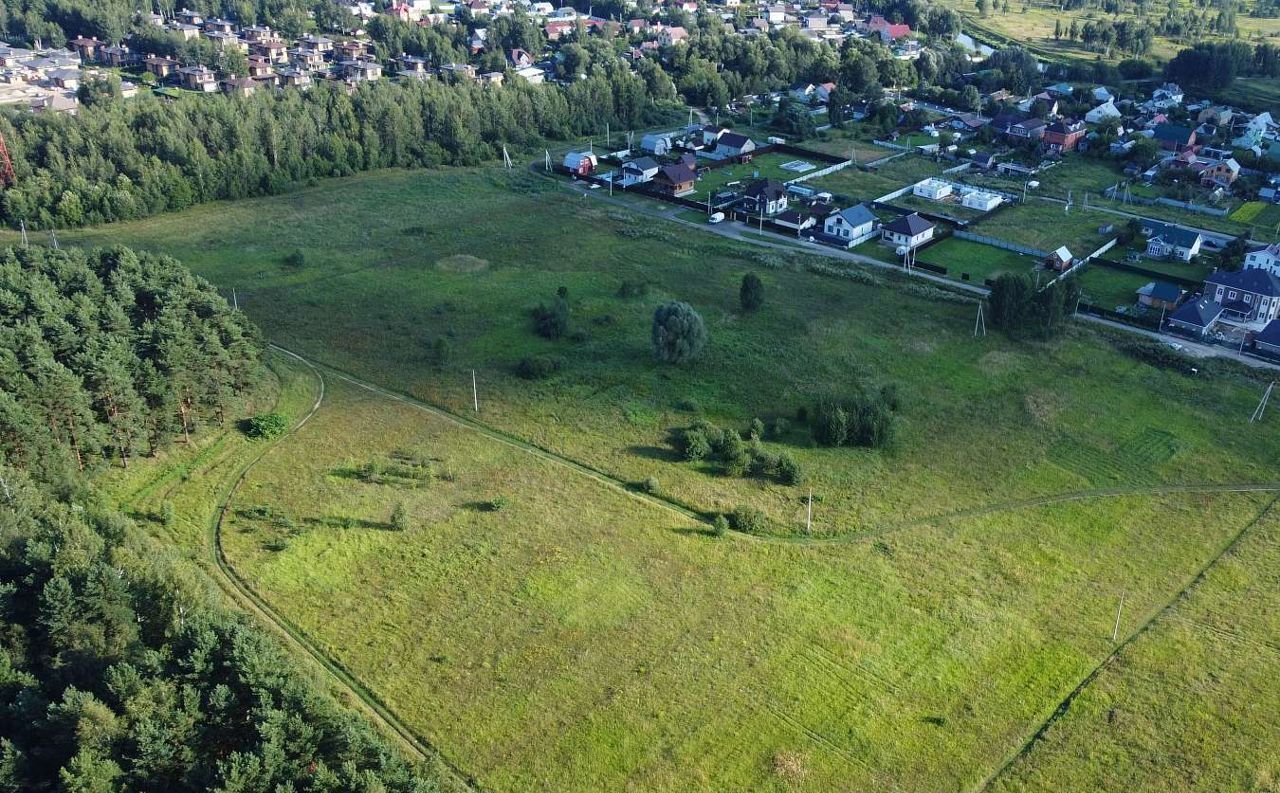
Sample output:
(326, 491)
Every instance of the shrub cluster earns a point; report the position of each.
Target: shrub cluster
(865, 419)
(703, 440)
(537, 367)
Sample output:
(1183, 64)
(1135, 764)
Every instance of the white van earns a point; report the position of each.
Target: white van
(717, 217)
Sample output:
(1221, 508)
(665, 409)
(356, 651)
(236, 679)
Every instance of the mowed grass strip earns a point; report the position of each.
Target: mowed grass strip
(1189, 704)
(577, 639)
(980, 261)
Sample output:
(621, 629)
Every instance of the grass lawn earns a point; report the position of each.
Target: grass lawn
(859, 185)
(1108, 288)
(579, 639)
(1197, 269)
(979, 261)
(1253, 93)
(953, 209)
(1045, 225)
(1217, 645)
(766, 166)
(845, 143)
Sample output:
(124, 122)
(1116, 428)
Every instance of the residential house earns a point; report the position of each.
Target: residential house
(1254, 131)
(1063, 135)
(732, 145)
(1160, 295)
(274, 50)
(319, 44)
(1061, 90)
(1174, 137)
(160, 66)
(295, 78)
(350, 50)
(198, 78)
(119, 56)
(676, 179)
(1249, 296)
(188, 17)
(1222, 173)
(1102, 112)
(672, 35)
(520, 58)
(1267, 259)
(656, 143)
(796, 219)
(256, 33)
(886, 30)
(1166, 96)
(932, 189)
(580, 163)
(306, 59)
(186, 32)
(1268, 340)
(1217, 115)
(458, 71)
(360, 71)
(910, 231)
(219, 26)
(1101, 94)
(1059, 260)
(1028, 129)
(983, 160)
(239, 86)
(532, 75)
(1197, 315)
(87, 49)
(639, 171)
(411, 65)
(766, 196)
(226, 41)
(981, 200)
(851, 226)
(1167, 241)
(260, 67)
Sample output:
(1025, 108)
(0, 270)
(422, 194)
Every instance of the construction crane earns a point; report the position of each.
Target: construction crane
(6, 165)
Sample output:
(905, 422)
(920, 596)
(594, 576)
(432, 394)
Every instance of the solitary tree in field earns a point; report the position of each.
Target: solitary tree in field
(399, 517)
(751, 295)
(679, 334)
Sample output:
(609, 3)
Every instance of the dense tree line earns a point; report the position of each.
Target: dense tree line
(116, 161)
(109, 354)
(1213, 66)
(118, 669)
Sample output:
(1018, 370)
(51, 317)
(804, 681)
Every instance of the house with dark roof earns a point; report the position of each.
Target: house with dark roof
(1063, 135)
(1160, 294)
(732, 145)
(676, 179)
(909, 230)
(1174, 137)
(640, 170)
(851, 226)
(1196, 316)
(1167, 241)
(1268, 340)
(1028, 129)
(766, 196)
(1247, 296)
(798, 219)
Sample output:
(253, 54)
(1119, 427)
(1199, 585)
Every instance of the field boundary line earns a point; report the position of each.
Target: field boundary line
(1146, 625)
(254, 603)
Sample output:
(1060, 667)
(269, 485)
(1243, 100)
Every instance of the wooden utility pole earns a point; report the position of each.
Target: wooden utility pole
(475, 394)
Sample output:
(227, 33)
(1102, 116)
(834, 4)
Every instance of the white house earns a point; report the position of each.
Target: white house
(851, 226)
(910, 230)
(1167, 241)
(639, 171)
(932, 189)
(532, 75)
(981, 200)
(656, 144)
(1266, 259)
(732, 144)
(766, 196)
(1102, 112)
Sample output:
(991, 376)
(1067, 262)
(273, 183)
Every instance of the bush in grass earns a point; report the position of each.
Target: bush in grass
(552, 322)
(495, 504)
(749, 520)
(537, 367)
(780, 427)
(399, 517)
(633, 289)
(296, 260)
(756, 432)
(651, 485)
(679, 334)
(865, 419)
(751, 293)
(788, 470)
(266, 426)
(689, 405)
(168, 515)
(720, 526)
(441, 352)
(734, 454)
(694, 444)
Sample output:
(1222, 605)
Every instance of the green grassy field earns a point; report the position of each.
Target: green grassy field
(766, 166)
(1045, 225)
(578, 639)
(979, 261)
(860, 185)
(1253, 93)
(1109, 288)
(847, 143)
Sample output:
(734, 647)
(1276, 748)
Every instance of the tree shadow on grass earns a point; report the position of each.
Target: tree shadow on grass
(349, 523)
(659, 453)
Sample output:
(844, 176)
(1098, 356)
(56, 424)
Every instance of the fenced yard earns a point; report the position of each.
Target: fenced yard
(764, 166)
(979, 261)
(859, 185)
(1044, 225)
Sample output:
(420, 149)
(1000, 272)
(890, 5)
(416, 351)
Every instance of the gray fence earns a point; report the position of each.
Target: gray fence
(998, 243)
(1117, 195)
(822, 172)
